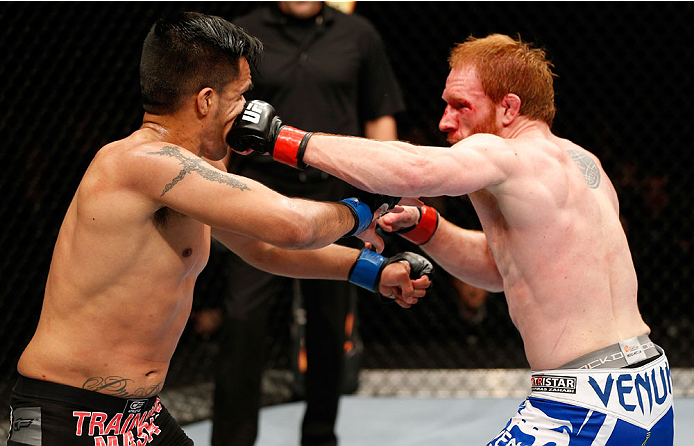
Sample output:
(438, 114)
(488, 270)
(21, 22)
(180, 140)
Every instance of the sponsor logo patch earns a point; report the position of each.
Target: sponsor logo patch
(553, 383)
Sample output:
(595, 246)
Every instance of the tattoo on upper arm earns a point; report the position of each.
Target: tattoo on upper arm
(198, 166)
(118, 386)
(588, 166)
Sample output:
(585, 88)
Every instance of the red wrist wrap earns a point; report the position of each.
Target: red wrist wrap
(290, 146)
(425, 228)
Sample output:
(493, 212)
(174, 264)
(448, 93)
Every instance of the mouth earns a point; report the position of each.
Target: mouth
(245, 152)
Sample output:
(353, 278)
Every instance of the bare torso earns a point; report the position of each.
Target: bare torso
(556, 238)
(120, 287)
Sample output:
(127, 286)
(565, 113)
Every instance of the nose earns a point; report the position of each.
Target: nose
(447, 124)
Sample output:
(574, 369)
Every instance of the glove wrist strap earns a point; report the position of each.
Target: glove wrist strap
(425, 228)
(290, 146)
(366, 269)
(362, 215)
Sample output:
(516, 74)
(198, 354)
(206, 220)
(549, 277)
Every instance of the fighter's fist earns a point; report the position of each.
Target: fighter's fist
(416, 224)
(259, 128)
(255, 128)
(403, 277)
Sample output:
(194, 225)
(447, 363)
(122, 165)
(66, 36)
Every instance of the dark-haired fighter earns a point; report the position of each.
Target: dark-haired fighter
(137, 234)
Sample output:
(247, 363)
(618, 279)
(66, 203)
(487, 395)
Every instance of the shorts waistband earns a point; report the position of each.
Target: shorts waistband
(632, 352)
(640, 395)
(80, 397)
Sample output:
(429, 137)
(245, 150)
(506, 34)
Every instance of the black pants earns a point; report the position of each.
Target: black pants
(51, 414)
(237, 397)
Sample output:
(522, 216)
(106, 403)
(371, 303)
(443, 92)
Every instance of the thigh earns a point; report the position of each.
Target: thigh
(541, 422)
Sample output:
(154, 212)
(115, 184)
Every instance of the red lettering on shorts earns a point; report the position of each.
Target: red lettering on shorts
(97, 420)
(143, 431)
(114, 424)
(80, 421)
(124, 428)
(111, 440)
(128, 439)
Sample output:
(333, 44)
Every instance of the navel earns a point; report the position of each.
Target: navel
(187, 252)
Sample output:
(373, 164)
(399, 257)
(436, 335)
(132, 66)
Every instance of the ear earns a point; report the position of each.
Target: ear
(510, 105)
(204, 101)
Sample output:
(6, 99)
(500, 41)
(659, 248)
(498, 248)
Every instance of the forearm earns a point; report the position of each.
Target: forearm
(390, 276)
(332, 262)
(465, 254)
(391, 168)
(305, 224)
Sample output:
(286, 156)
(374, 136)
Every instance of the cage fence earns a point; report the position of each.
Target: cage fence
(71, 85)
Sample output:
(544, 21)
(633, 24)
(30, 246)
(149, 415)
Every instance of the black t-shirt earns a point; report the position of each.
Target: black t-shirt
(327, 74)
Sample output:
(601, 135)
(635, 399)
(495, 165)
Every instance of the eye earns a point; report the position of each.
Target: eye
(458, 106)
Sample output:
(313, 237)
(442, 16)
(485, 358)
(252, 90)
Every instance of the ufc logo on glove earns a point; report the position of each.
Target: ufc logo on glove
(252, 113)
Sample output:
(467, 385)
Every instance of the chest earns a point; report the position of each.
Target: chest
(187, 239)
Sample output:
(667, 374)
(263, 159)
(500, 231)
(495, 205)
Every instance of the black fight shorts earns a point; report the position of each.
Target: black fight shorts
(49, 414)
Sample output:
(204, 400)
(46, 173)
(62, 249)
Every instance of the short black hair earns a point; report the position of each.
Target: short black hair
(187, 51)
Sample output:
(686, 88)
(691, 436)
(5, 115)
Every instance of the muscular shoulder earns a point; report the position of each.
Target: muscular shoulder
(140, 168)
(510, 165)
(509, 156)
(123, 160)
(520, 156)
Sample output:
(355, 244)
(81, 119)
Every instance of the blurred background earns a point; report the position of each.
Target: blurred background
(71, 85)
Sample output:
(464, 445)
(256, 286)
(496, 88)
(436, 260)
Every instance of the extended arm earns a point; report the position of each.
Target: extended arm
(407, 170)
(170, 176)
(334, 262)
(173, 177)
(391, 168)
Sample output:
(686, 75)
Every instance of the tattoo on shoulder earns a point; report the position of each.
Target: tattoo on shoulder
(120, 387)
(196, 165)
(588, 166)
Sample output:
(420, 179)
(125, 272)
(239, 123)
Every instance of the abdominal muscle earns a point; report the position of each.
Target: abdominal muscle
(115, 343)
(565, 304)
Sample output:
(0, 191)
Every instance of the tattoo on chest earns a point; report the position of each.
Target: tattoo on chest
(589, 168)
(196, 165)
(120, 387)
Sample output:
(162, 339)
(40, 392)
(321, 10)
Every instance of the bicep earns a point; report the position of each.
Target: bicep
(332, 262)
(465, 170)
(252, 251)
(461, 169)
(175, 178)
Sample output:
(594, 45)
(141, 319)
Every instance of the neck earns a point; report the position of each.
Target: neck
(166, 128)
(524, 127)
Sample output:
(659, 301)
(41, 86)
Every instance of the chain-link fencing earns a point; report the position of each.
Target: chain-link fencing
(71, 85)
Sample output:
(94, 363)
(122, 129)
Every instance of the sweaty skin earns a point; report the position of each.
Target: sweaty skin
(552, 239)
(137, 234)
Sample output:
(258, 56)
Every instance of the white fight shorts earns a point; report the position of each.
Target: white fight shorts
(596, 407)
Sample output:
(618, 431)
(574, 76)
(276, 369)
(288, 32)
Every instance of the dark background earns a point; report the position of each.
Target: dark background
(71, 85)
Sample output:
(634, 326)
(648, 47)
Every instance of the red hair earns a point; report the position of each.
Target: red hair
(505, 65)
